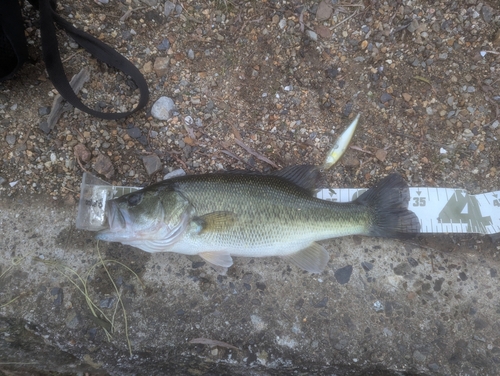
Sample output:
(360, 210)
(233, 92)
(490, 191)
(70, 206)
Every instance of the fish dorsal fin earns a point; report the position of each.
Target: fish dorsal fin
(219, 258)
(305, 176)
(313, 258)
(215, 222)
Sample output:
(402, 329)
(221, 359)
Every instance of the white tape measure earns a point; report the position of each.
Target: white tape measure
(441, 210)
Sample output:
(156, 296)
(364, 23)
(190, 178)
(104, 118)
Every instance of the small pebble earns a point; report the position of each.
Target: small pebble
(343, 275)
(107, 302)
(367, 266)
(134, 132)
(406, 97)
(82, 153)
(152, 163)
(433, 367)
(164, 45)
(161, 66)
(325, 10)
(190, 54)
(381, 154)
(42, 111)
(312, 35)
(413, 26)
(321, 303)
(11, 139)
(104, 166)
(332, 72)
(487, 13)
(163, 108)
(419, 357)
(58, 293)
(346, 111)
(385, 97)
(169, 7)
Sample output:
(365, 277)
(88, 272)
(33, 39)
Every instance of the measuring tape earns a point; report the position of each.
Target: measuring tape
(441, 210)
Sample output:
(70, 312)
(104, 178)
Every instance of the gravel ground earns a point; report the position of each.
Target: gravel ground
(281, 77)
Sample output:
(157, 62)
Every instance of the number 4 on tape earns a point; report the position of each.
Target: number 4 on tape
(442, 210)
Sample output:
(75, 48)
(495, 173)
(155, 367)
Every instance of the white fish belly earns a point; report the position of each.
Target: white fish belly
(254, 244)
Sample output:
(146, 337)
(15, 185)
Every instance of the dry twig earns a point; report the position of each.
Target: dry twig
(254, 153)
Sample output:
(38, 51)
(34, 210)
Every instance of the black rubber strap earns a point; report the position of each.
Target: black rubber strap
(97, 48)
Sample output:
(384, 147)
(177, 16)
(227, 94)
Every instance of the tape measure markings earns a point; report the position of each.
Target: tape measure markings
(458, 213)
(441, 210)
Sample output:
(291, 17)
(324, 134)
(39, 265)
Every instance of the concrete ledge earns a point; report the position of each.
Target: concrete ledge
(426, 306)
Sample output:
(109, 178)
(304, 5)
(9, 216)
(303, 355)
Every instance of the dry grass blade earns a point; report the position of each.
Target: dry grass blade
(227, 152)
(345, 20)
(212, 342)
(119, 299)
(254, 153)
(14, 263)
(83, 290)
(128, 13)
(11, 301)
(359, 149)
(99, 317)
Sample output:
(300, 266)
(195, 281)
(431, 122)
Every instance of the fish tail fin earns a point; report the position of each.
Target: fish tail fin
(388, 203)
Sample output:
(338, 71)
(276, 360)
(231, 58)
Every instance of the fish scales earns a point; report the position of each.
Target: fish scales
(270, 212)
(247, 214)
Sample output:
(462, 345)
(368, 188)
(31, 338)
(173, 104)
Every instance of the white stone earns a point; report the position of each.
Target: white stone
(162, 109)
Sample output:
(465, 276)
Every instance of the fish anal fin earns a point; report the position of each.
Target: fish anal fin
(219, 258)
(312, 259)
(216, 221)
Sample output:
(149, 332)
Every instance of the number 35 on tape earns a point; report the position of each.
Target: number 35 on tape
(442, 210)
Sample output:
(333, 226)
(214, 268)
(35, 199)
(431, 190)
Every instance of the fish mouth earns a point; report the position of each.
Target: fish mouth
(117, 223)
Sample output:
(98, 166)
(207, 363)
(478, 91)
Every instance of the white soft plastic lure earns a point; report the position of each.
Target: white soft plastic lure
(341, 145)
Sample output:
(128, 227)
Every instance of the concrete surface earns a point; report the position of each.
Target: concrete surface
(429, 306)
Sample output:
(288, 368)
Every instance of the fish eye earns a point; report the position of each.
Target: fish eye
(134, 199)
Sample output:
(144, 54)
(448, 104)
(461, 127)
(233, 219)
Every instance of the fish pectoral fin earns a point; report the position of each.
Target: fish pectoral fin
(219, 258)
(216, 221)
(313, 258)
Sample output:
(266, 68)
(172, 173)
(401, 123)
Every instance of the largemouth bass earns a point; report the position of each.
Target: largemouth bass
(229, 214)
